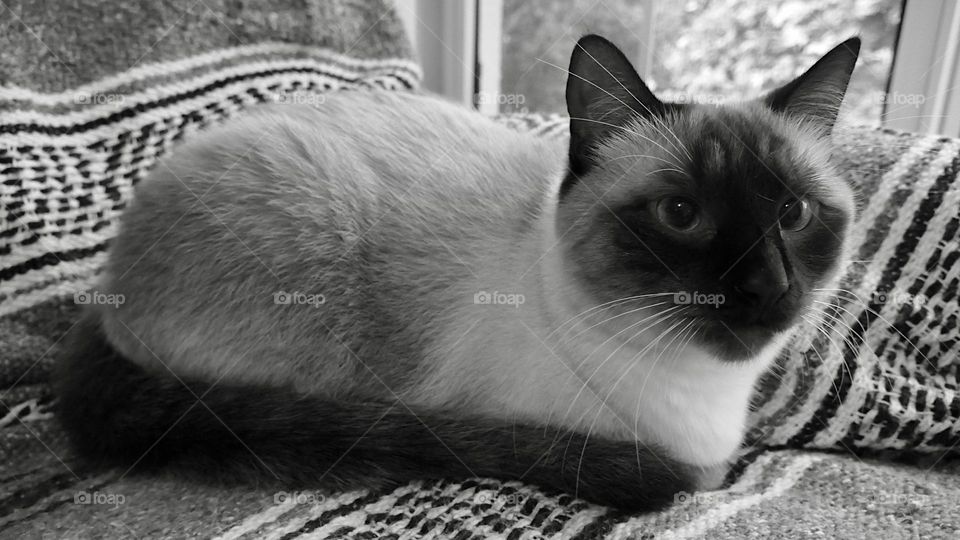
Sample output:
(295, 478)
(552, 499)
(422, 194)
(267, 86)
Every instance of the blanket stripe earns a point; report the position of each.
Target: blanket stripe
(49, 232)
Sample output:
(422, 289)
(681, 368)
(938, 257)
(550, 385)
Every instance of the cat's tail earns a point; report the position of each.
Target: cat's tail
(117, 413)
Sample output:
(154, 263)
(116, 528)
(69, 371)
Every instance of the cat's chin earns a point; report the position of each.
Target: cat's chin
(738, 343)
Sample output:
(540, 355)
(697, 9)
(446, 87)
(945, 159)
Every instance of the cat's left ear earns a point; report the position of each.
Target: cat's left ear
(816, 95)
(604, 92)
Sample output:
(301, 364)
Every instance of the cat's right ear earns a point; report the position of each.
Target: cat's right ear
(604, 92)
(815, 96)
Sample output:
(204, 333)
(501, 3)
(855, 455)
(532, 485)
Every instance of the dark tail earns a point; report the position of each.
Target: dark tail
(116, 413)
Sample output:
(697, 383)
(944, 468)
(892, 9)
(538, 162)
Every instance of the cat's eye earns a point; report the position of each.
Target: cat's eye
(795, 215)
(678, 213)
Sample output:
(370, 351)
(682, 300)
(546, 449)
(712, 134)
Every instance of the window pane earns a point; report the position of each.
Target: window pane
(703, 50)
(538, 36)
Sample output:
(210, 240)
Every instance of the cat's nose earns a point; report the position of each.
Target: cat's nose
(763, 289)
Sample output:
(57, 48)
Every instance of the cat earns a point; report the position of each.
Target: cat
(388, 287)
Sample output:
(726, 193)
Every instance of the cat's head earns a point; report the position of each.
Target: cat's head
(729, 215)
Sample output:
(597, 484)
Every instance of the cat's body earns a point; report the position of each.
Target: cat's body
(398, 260)
(370, 251)
(348, 214)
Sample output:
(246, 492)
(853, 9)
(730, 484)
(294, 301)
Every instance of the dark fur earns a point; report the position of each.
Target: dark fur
(603, 81)
(118, 414)
(740, 172)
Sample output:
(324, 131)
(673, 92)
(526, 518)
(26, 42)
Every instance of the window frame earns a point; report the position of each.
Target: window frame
(923, 95)
(459, 44)
(443, 35)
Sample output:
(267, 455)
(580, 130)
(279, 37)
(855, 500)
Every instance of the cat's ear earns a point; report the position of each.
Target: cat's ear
(603, 92)
(816, 95)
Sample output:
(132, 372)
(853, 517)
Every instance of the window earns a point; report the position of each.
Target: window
(709, 51)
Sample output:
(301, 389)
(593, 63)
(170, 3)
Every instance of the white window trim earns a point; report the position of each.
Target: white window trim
(924, 91)
(489, 56)
(443, 34)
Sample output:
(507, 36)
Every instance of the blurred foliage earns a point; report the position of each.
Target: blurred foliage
(703, 50)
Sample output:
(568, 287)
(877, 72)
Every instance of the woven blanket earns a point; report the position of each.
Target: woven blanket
(853, 432)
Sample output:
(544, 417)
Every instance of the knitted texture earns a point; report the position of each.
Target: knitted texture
(87, 111)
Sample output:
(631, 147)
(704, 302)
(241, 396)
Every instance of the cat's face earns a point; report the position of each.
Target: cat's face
(730, 216)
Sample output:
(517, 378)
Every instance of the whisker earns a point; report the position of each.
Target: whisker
(616, 383)
(635, 133)
(566, 338)
(661, 316)
(823, 362)
(667, 161)
(889, 324)
(636, 416)
(848, 342)
(605, 304)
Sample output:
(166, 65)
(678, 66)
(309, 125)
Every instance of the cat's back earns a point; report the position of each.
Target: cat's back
(429, 142)
(361, 197)
(364, 151)
(346, 162)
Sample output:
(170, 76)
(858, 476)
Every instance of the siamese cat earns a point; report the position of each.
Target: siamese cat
(388, 287)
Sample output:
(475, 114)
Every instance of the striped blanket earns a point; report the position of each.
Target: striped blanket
(853, 433)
